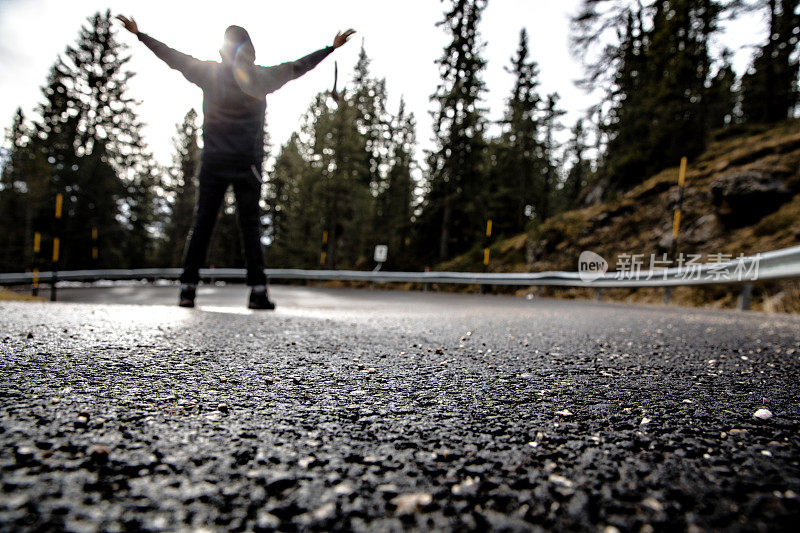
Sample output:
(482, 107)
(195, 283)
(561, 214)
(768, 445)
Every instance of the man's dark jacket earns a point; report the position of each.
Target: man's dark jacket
(234, 99)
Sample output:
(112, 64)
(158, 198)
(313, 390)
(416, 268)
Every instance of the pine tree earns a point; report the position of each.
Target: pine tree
(658, 78)
(344, 182)
(181, 190)
(580, 169)
(722, 96)
(346, 201)
(518, 159)
(321, 185)
(454, 210)
(630, 116)
(369, 100)
(296, 226)
(395, 203)
(89, 133)
(549, 179)
(142, 220)
(678, 54)
(23, 187)
(770, 88)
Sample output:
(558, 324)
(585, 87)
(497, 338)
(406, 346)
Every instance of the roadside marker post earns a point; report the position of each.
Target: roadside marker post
(486, 249)
(676, 222)
(56, 246)
(323, 256)
(379, 256)
(94, 245)
(37, 247)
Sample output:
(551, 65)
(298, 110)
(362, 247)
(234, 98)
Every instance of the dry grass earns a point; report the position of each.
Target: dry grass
(787, 300)
(7, 295)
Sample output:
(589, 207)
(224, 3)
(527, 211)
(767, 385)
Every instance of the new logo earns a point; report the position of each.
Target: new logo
(591, 266)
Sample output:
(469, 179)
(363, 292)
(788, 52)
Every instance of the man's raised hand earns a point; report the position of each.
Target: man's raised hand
(129, 24)
(341, 38)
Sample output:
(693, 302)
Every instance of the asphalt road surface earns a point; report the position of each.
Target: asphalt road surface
(358, 410)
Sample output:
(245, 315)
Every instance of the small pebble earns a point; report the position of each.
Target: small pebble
(99, 454)
(325, 512)
(411, 503)
(763, 414)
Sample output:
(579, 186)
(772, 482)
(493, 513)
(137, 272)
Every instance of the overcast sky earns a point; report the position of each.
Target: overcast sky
(400, 37)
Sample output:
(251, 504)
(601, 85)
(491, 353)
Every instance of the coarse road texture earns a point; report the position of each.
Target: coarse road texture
(358, 410)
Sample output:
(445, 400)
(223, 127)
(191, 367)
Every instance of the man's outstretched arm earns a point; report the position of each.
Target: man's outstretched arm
(192, 69)
(275, 77)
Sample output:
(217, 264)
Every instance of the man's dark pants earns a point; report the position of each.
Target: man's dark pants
(215, 178)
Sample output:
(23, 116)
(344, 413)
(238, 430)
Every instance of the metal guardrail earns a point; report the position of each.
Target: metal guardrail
(778, 264)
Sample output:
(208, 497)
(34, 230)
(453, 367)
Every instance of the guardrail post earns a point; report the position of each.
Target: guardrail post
(35, 283)
(745, 297)
(667, 295)
(598, 294)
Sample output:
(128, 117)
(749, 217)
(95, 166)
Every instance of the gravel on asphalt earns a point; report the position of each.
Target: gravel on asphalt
(446, 412)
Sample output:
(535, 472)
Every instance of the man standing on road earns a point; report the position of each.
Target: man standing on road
(234, 106)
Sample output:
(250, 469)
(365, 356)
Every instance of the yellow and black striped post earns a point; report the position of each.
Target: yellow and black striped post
(95, 254)
(37, 247)
(486, 249)
(56, 245)
(323, 255)
(676, 222)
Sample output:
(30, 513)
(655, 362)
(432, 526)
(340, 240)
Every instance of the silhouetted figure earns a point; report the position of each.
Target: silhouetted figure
(234, 106)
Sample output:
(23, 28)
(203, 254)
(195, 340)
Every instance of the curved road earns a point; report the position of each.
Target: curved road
(358, 410)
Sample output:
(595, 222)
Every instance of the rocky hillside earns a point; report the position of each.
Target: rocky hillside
(741, 196)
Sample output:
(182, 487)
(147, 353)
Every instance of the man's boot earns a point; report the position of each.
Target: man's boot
(259, 299)
(187, 295)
